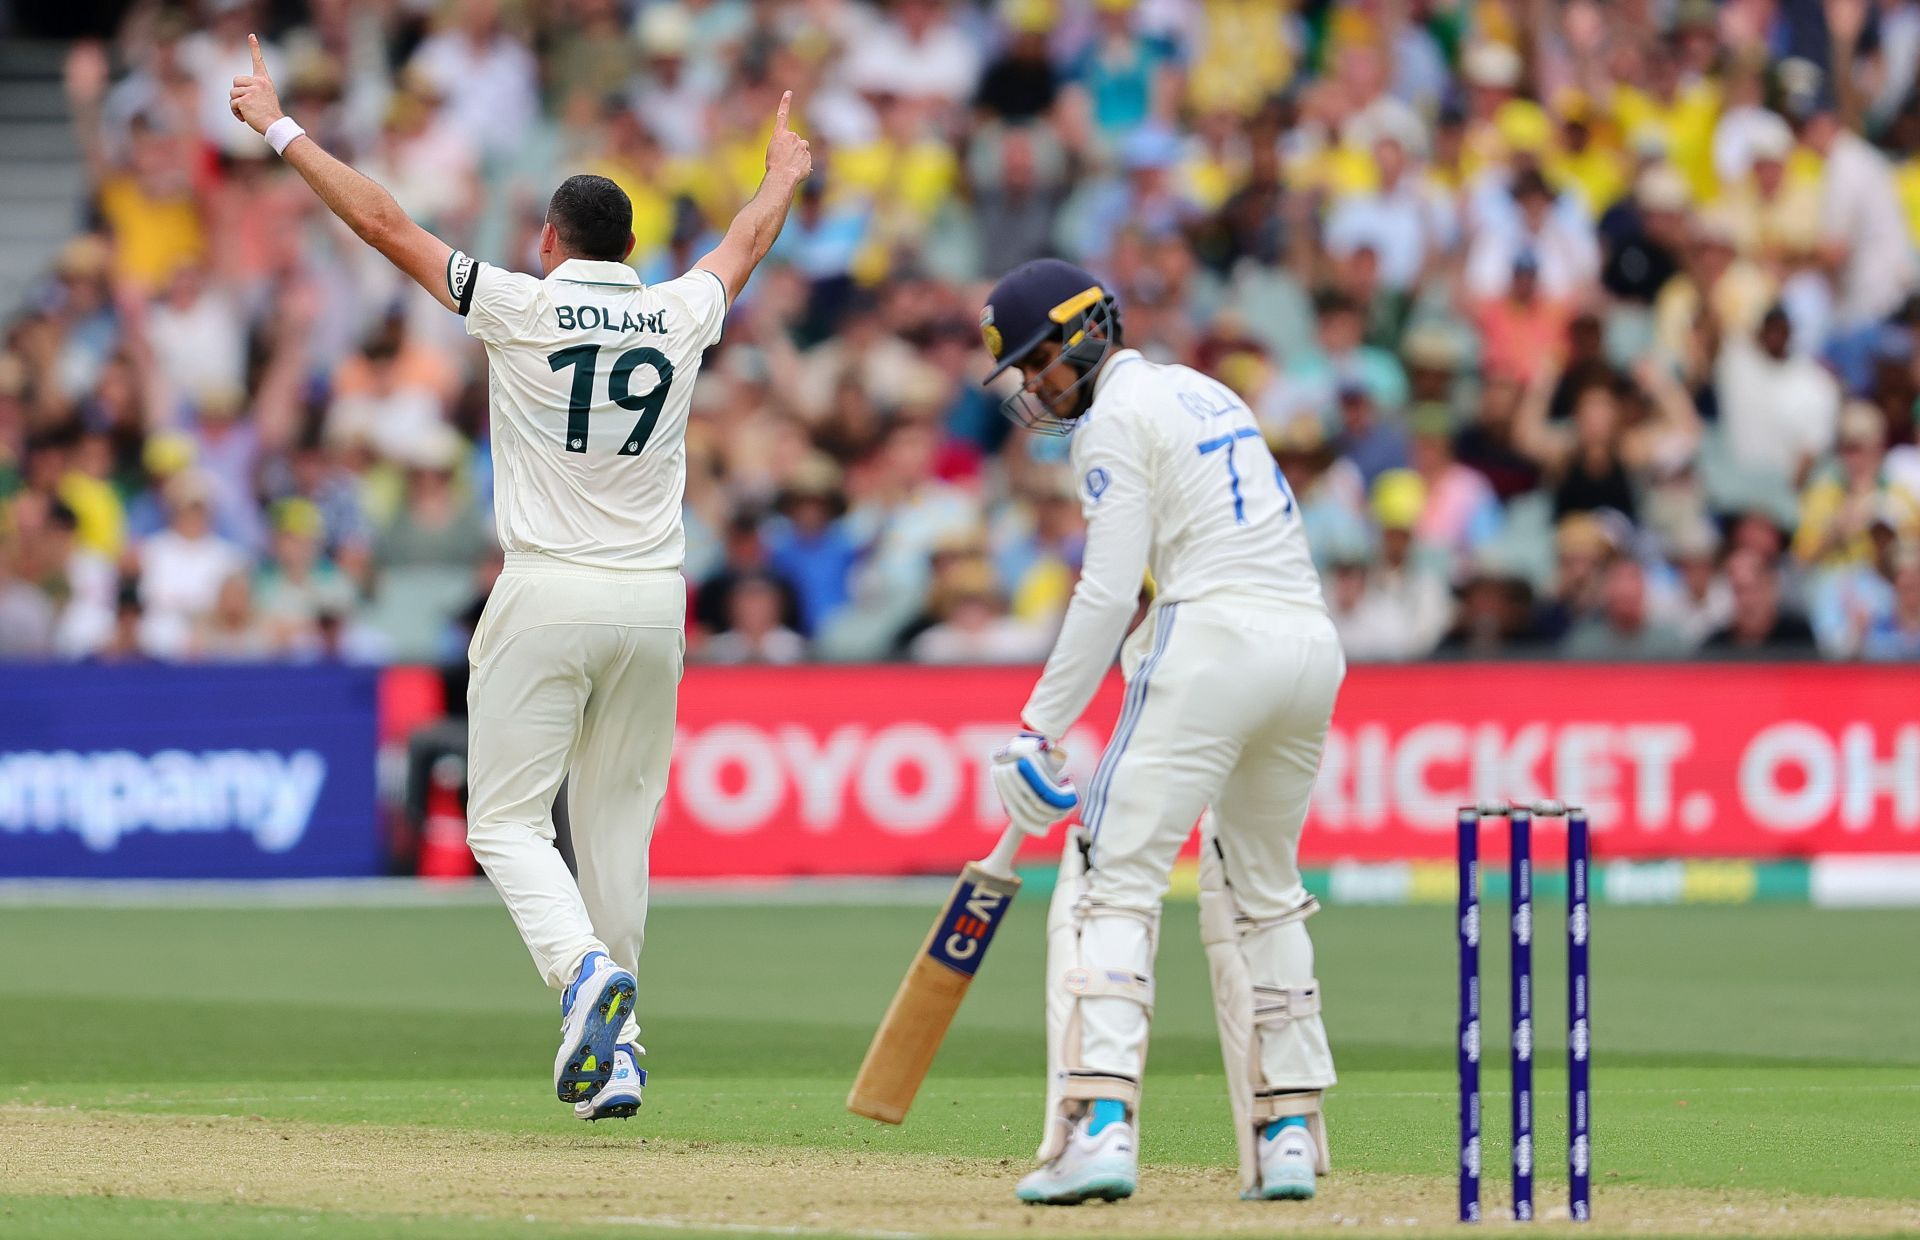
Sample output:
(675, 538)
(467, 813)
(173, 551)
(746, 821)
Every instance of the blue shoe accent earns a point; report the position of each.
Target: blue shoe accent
(1288, 1178)
(621, 1097)
(1106, 1111)
(594, 1008)
(580, 975)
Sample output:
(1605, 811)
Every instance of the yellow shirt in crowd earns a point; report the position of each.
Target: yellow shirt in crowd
(153, 237)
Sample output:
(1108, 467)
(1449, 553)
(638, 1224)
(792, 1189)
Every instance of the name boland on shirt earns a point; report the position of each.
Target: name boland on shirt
(590, 386)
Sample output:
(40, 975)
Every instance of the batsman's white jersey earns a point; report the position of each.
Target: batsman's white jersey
(1176, 479)
(1231, 680)
(576, 662)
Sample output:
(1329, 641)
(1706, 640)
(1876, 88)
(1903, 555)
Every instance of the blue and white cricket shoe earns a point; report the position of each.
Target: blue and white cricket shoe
(1287, 1158)
(1092, 1168)
(619, 1098)
(592, 1011)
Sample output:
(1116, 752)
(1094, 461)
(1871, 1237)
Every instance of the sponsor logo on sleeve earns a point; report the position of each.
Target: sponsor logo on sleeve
(460, 275)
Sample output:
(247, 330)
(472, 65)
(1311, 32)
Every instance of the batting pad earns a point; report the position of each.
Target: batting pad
(1099, 999)
(1267, 1005)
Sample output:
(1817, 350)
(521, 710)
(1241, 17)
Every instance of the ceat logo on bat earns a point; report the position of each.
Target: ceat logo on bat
(967, 929)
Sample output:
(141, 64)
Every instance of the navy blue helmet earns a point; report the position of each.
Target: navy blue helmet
(1050, 299)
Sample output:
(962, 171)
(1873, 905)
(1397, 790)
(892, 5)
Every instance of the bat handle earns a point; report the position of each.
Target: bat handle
(999, 862)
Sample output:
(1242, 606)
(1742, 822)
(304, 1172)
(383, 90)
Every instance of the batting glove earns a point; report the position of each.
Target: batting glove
(1030, 774)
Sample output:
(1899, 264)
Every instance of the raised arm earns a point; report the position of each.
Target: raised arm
(752, 232)
(359, 201)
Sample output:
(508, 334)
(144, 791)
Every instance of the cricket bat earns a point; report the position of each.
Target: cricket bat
(916, 1021)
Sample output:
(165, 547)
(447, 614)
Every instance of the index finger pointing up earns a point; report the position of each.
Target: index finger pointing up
(259, 61)
(780, 117)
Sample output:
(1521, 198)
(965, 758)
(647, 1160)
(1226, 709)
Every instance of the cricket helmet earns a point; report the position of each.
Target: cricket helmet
(1049, 299)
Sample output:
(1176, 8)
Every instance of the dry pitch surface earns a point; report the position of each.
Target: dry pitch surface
(697, 1186)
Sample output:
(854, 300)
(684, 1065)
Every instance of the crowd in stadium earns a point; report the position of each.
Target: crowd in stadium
(1577, 327)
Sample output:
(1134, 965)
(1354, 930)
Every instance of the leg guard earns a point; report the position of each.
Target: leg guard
(1268, 1008)
(1099, 999)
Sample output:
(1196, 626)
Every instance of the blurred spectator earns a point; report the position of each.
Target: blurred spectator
(1848, 601)
(182, 568)
(1487, 444)
(1402, 222)
(1536, 237)
(1023, 84)
(1844, 498)
(232, 631)
(746, 556)
(27, 615)
(1614, 431)
(917, 51)
(1400, 608)
(485, 76)
(1696, 601)
(1019, 179)
(1645, 235)
(753, 631)
(1494, 616)
(1716, 296)
(434, 525)
(1866, 237)
(972, 625)
(808, 547)
(1760, 625)
(298, 585)
(1521, 331)
(1625, 627)
(1584, 544)
(1123, 79)
(144, 191)
(1895, 635)
(1778, 409)
(1461, 512)
(1373, 443)
(1340, 361)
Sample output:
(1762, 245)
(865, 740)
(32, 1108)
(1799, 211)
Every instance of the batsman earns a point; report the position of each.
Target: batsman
(1230, 681)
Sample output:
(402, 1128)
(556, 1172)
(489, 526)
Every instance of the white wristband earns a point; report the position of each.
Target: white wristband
(282, 132)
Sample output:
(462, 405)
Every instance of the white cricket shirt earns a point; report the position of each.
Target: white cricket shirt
(1174, 476)
(590, 384)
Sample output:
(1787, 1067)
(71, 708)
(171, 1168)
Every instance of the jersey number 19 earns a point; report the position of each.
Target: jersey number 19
(585, 360)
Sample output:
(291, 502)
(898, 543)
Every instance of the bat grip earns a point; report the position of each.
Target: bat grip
(999, 862)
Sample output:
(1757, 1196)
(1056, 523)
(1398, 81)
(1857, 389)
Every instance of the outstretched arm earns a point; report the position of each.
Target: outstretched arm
(752, 232)
(359, 201)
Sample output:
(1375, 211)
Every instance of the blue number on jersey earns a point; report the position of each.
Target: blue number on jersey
(1233, 474)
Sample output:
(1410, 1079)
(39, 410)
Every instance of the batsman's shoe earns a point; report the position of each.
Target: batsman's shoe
(1105, 1167)
(592, 1010)
(1287, 1156)
(619, 1098)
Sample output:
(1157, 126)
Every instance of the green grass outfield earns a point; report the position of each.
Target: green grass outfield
(1762, 1049)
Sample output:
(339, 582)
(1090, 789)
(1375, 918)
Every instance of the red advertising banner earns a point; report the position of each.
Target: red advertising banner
(880, 770)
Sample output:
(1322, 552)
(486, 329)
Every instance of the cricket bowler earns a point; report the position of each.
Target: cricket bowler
(1230, 682)
(576, 661)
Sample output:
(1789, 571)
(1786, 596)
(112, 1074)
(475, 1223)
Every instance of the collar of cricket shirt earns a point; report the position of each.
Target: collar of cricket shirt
(1113, 363)
(595, 271)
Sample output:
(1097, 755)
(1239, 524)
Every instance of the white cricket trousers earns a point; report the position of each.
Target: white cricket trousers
(575, 671)
(1227, 705)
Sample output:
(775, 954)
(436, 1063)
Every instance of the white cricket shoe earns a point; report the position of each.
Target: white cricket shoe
(619, 1098)
(1092, 1168)
(1286, 1165)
